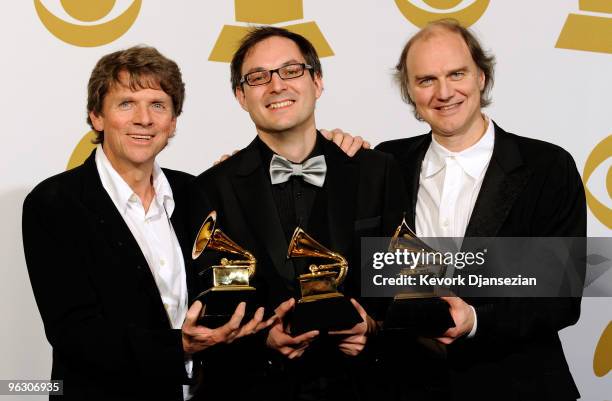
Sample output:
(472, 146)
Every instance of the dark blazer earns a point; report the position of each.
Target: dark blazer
(363, 199)
(102, 311)
(530, 189)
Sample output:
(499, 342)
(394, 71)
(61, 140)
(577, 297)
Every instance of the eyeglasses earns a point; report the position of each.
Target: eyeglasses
(290, 71)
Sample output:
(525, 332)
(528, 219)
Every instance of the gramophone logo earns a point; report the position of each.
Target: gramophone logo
(588, 32)
(88, 11)
(601, 153)
(267, 12)
(81, 150)
(420, 17)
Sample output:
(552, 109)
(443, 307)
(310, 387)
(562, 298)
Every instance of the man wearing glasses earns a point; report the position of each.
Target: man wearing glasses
(290, 176)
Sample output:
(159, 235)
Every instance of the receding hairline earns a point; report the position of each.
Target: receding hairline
(432, 31)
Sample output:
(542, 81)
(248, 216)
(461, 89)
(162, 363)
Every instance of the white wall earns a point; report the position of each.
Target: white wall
(558, 95)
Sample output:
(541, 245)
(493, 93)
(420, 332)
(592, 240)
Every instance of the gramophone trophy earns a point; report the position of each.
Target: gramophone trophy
(321, 306)
(405, 239)
(230, 279)
(418, 309)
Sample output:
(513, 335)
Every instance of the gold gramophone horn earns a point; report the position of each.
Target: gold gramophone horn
(214, 239)
(405, 238)
(303, 245)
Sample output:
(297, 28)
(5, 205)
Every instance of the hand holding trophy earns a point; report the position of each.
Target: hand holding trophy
(280, 339)
(321, 306)
(230, 279)
(420, 310)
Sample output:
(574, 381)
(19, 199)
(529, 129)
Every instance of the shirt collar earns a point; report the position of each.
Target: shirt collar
(163, 191)
(472, 160)
(120, 192)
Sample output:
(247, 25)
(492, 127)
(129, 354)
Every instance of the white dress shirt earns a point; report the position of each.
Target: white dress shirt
(449, 184)
(155, 236)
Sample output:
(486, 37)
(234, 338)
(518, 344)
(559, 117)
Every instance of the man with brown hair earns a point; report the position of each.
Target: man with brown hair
(470, 178)
(102, 246)
(289, 176)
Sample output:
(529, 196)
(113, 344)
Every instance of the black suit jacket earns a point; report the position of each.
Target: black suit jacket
(101, 308)
(363, 199)
(530, 189)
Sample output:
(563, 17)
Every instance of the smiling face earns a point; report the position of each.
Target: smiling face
(136, 124)
(445, 85)
(280, 106)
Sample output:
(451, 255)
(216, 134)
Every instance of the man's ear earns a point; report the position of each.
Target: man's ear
(481, 79)
(97, 121)
(239, 93)
(173, 129)
(318, 81)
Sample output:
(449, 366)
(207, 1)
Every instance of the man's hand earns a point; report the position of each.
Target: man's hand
(355, 338)
(197, 338)
(345, 141)
(349, 144)
(280, 340)
(462, 315)
(224, 157)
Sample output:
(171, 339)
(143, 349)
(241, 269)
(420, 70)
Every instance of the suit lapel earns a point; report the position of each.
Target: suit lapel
(341, 182)
(252, 188)
(504, 180)
(412, 172)
(113, 228)
(178, 220)
(178, 225)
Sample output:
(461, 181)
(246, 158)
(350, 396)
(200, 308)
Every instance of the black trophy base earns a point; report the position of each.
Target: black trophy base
(328, 314)
(220, 304)
(426, 317)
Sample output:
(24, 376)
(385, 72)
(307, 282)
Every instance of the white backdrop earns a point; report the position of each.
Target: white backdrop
(558, 95)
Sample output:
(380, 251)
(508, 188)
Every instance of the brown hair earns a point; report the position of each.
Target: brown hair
(484, 61)
(262, 33)
(146, 67)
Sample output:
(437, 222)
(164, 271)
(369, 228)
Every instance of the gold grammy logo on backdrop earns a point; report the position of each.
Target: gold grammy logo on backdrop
(81, 150)
(88, 11)
(466, 16)
(267, 12)
(602, 360)
(601, 152)
(588, 32)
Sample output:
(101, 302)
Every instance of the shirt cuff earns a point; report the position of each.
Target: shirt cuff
(189, 367)
(472, 332)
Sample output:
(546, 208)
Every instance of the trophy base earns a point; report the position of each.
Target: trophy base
(422, 316)
(221, 302)
(330, 312)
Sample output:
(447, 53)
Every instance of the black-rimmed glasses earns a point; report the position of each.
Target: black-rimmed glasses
(289, 71)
